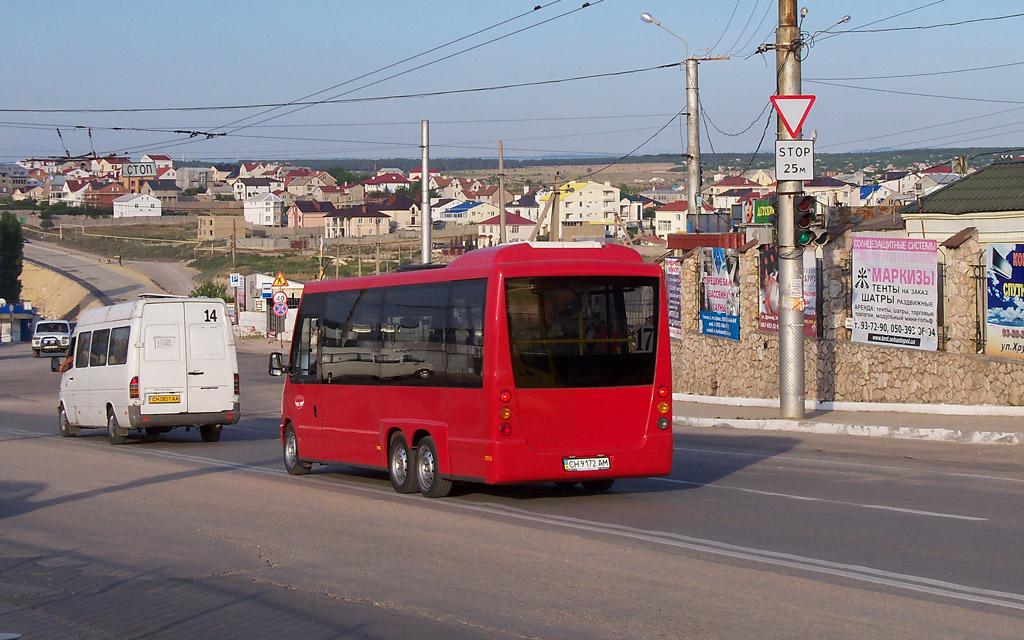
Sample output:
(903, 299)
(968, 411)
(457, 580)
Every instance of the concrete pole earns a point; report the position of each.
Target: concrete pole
(425, 244)
(502, 238)
(692, 144)
(791, 259)
(556, 223)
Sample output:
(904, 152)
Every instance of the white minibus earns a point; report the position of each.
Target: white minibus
(153, 364)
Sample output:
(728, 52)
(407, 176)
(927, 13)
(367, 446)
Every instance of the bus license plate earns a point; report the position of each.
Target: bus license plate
(586, 464)
(171, 398)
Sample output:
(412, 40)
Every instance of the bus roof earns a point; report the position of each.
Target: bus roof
(480, 261)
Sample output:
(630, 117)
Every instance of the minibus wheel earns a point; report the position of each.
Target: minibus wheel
(210, 432)
(113, 431)
(293, 464)
(67, 429)
(432, 485)
(598, 485)
(401, 465)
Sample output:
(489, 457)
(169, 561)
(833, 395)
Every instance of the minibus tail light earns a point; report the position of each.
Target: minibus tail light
(505, 396)
(133, 388)
(236, 384)
(505, 429)
(663, 391)
(505, 413)
(663, 408)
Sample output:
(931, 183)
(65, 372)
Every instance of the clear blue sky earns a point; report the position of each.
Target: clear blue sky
(181, 53)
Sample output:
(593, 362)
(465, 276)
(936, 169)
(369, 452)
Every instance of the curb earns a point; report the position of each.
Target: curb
(992, 410)
(933, 434)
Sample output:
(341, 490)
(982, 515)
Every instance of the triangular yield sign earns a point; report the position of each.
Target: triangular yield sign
(793, 111)
(280, 280)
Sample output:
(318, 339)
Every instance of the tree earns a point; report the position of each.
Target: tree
(11, 251)
(211, 289)
(345, 176)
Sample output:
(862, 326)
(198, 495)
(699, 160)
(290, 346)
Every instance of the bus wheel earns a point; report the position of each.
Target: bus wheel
(432, 485)
(67, 429)
(210, 432)
(293, 464)
(598, 485)
(114, 432)
(401, 461)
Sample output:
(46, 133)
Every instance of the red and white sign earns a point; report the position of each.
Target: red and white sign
(793, 111)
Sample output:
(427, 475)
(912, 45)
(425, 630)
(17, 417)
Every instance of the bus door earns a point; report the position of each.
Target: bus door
(208, 362)
(163, 383)
(305, 390)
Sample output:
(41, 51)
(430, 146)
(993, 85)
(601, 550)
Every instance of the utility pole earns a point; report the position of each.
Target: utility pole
(425, 244)
(376, 259)
(234, 221)
(502, 238)
(359, 257)
(692, 144)
(556, 223)
(337, 259)
(791, 258)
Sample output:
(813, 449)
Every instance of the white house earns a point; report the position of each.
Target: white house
(264, 210)
(72, 193)
(134, 205)
(584, 202)
(161, 161)
(246, 188)
(517, 229)
(390, 182)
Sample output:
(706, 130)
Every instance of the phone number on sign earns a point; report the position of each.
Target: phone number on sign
(895, 329)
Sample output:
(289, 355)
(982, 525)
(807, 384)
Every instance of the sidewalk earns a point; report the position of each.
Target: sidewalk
(880, 424)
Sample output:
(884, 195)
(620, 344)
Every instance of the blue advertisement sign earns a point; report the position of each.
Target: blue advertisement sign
(1004, 313)
(719, 293)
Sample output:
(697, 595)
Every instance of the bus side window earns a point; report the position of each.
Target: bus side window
(82, 350)
(464, 333)
(305, 348)
(413, 335)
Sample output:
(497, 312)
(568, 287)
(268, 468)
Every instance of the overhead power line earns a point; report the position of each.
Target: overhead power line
(924, 128)
(635, 149)
(916, 93)
(922, 27)
(750, 126)
(727, 25)
(832, 34)
(923, 74)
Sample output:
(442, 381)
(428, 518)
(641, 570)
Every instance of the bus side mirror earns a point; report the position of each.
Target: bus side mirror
(55, 363)
(276, 367)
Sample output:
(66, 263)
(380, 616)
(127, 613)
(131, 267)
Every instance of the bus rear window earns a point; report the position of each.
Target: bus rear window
(582, 331)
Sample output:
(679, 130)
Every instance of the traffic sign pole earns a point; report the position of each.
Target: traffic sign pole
(791, 257)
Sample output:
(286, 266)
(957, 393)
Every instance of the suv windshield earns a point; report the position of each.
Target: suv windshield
(582, 331)
(52, 327)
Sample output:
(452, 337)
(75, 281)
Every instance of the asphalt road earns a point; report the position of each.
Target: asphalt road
(752, 536)
(96, 277)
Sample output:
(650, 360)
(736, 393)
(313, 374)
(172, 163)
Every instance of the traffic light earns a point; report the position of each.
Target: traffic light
(811, 227)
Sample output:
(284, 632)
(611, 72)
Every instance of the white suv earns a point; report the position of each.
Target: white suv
(51, 336)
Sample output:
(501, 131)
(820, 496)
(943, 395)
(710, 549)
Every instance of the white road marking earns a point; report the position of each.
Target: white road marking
(775, 494)
(906, 582)
(866, 465)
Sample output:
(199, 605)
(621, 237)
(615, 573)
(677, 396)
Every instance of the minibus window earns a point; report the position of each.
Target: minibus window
(82, 350)
(304, 350)
(118, 353)
(98, 354)
(412, 335)
(464, 333)
(582, 331)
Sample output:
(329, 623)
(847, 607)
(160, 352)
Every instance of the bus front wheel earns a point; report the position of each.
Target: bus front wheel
(293, 464)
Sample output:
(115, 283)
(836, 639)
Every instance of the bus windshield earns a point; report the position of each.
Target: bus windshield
(582, 331)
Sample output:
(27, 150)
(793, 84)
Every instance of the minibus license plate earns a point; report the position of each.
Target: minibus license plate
(170, 398)
(586, 464)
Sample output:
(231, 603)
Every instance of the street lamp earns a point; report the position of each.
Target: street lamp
(649, 19)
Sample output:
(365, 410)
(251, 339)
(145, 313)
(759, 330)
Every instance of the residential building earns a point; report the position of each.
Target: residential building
(220, 227)
(466, 212)
(664, 195)
(517, 229)
(526, 206)
(194, 177)
(584, 202)
(358, 221)
(110, 166)
(265, 210)
(308, 214)
(763, 177)
(389, 182)
(102, 194)
(416, 174)
(72, 193)
(991, 200)
(36, 193)
(245, 188)
(340, 194)
(832, 192)
(162, 161)
(728, 183)
(674, 218)
(402, 210)
(133, 205)
(12, 177)
(166, 190)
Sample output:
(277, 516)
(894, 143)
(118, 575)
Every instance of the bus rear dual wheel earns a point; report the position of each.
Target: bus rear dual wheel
(413, 469)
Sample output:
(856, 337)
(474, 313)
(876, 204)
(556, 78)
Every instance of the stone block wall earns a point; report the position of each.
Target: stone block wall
(836, 368)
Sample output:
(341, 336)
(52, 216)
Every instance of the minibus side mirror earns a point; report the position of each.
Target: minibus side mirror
(55, 363)
(277, 367)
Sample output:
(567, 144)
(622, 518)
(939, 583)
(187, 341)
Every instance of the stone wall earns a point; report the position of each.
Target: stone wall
(836, 368)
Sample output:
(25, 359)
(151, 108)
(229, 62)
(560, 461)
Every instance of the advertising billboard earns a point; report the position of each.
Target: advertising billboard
(895, 292)
(719, 293)
(1004, 308)
(673, 295)
(769, 298)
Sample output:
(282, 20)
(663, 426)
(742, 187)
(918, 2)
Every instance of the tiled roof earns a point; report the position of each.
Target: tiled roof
(510, 218)
(359, 211)
(313, 206)
(258, 182)
(997, 187)
(387, 178)
(397, 203)
(826, 181)
(158, 156)
(161, 185)
(682, 205)
(735, 181)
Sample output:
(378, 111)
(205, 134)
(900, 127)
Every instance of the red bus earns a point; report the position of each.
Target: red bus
(520, 363)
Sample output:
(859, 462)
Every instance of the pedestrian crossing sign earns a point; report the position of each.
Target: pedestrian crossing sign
(280, 280)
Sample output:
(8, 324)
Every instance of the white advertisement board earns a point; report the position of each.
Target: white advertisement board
(895, 292)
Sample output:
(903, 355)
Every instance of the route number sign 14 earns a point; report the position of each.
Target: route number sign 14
(794, 160)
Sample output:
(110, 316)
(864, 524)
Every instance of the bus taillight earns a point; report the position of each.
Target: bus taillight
(663, 408)
(663, 391)
(505, 429)
(236, 384)
(133, 388)
(505, 396)
(505, 413)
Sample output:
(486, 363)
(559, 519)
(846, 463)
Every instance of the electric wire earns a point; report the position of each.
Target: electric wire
(750, 126)
(753, 33)
(916, 93)
(922, 27)
(923, 74)
(634, 150)
(727, 25)
(832, 34)
(746, 24)
(915, 129)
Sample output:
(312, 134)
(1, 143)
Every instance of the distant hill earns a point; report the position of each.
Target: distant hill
(839, 162)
